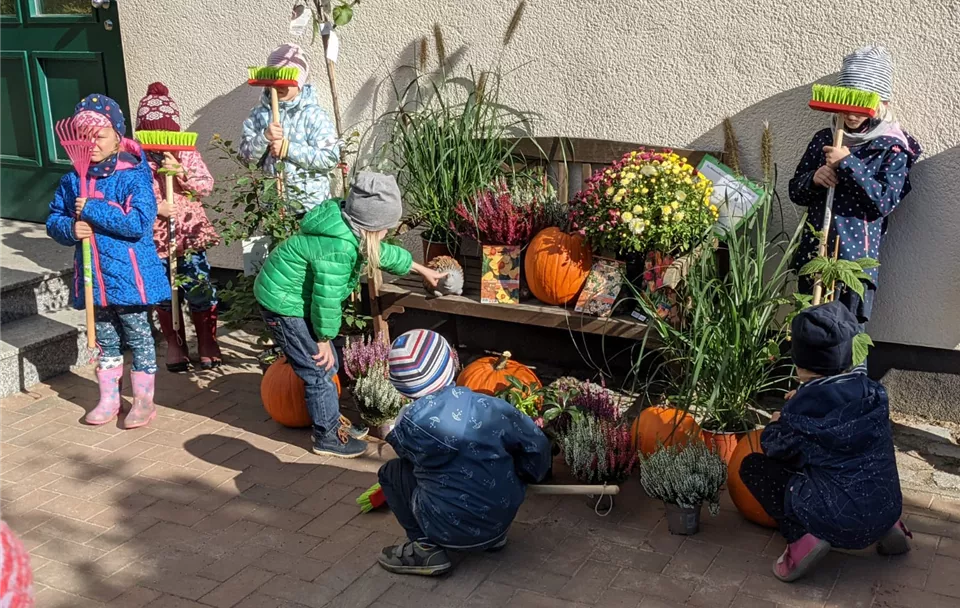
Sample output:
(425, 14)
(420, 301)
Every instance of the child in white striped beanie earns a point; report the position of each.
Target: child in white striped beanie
(870, 173)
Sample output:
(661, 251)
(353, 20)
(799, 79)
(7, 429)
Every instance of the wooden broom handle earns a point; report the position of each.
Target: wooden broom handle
(571, 490)
(172, 253)
(827, 222)
(275, 110)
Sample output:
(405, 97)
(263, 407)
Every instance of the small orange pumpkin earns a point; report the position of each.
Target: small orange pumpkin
(662, 424)
(556, 266)
(283, 397)
(488, 375)
(739, 494)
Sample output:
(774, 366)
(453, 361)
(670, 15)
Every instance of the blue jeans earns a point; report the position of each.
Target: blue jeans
(196, 287)
(295, 338)
(130, 325)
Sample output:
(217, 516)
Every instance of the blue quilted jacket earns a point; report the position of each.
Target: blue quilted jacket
(472, 455)
(835, 432)
(873, 180)
(121, 210)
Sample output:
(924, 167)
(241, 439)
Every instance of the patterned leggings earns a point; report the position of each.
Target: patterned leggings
(767, 479)
(130, 325)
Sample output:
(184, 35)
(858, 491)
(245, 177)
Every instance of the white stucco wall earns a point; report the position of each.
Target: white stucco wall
(632, 70)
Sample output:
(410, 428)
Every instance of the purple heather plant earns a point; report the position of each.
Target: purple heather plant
(596, 400)
(360, 355)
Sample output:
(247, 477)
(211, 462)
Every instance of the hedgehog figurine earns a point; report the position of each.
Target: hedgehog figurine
(450, 285)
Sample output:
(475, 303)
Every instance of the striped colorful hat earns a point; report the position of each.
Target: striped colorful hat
(868, 69)
(421, 362)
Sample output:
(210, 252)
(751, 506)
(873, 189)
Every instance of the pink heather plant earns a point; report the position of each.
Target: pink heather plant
(597, 401)
(499, 215)
(360, 355)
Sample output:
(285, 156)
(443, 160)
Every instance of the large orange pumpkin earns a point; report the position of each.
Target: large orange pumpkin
(556, 265)
(662, 424)
(488, 375)
(741, 496)
(282, 394)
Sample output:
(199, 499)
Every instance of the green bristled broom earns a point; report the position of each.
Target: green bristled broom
(273, 77)
(838, 100)
(170, 141)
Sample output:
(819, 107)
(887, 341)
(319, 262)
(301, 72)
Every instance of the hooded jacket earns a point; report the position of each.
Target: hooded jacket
(313, 151)
(473, 456)
(873, 180)
(121, 209)
(311, 273)
(835, 433)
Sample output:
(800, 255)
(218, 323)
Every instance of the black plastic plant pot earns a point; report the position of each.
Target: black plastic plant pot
(682, 520)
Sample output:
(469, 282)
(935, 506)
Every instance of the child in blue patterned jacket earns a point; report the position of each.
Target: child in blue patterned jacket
(312, 147)
(870, 172)
(128, 276)
(465, 460)
(828, 471)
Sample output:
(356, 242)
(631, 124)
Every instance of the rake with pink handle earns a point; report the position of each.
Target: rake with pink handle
(79, 143)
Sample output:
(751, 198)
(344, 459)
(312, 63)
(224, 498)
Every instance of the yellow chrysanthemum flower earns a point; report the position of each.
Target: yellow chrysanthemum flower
(638, 209)
(648, 170)
(610, 191)
(617, 199)
(679, 216)
(666, 210)
(644, 190)
(675, 205)
(713, 208)
(627, 216)
(680, 195)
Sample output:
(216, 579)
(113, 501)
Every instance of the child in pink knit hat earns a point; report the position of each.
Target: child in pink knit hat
(195, 233)
(305, 139)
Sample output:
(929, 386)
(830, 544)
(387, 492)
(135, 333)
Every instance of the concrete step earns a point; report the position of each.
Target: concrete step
(38, 347)
(25, 293)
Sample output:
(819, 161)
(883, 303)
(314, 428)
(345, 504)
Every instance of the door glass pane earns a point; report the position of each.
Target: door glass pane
(66, 80)
(16, 126)
(7, 7)
(63, 7)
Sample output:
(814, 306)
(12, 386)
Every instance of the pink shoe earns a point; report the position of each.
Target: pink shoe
(895, 542)
(143, 410)
(110, 381)
(800, 557)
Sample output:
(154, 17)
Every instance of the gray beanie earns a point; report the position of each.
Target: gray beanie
(868, 69)
(374, 202)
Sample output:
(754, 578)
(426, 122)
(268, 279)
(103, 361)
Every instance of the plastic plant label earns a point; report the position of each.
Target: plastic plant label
(333, 47)
(300, 19)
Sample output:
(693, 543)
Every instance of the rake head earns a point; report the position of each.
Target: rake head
(78, 141)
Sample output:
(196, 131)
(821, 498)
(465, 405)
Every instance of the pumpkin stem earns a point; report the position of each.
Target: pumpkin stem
(501, 363)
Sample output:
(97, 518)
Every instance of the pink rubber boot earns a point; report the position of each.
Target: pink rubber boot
(110, 381)
(800, 557)
(143, 410)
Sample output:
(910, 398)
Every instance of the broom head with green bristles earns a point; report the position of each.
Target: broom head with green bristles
(371, 499)
(843, 100)
(167, 141)
(273, 76)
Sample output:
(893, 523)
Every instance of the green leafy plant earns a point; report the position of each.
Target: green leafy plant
(546, 405)
(726, 350)
(686, 476)
(848, 272)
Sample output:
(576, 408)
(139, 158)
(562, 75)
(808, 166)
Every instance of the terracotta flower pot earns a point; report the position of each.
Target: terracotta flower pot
(723, 443)
(433, 249)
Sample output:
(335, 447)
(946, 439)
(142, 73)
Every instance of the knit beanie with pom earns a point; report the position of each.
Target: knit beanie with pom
(157, 111)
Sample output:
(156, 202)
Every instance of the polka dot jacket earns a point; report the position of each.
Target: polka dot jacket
(313, 151)
(835, 434)
(873, 180)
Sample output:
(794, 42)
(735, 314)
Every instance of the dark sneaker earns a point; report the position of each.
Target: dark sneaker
(357, 432)
(415, 558)
(895, 542)
(338, 442)
(498, 547)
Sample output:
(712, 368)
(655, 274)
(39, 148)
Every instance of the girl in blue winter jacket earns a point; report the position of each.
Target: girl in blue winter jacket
(305, 139)
(128, 278)
(870, 173)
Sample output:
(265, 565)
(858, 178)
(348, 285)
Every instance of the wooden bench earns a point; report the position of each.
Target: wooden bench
(569, 163)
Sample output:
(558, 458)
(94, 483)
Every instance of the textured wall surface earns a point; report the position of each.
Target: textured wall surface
(656, 72)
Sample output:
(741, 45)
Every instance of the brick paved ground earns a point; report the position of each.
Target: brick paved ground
(216, 505)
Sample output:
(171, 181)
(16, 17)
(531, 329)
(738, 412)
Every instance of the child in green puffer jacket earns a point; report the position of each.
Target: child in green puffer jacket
(304, 281)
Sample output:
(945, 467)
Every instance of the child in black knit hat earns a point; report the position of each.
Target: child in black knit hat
(828, 474)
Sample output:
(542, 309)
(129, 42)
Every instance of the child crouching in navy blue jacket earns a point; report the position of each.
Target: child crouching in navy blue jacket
(465, 460)
(128, 277)
(828, 474)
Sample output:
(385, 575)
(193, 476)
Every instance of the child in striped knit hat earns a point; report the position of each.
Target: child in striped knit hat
(305, 139)
(195, 233)
(870, 173)
(465, 460)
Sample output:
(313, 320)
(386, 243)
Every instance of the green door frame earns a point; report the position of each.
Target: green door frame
(50, 61)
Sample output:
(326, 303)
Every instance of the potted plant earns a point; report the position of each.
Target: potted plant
(365, 364)
(684, 477)
(598, 451)
(552, 407)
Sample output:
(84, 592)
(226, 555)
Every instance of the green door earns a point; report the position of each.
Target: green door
(52, 54)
